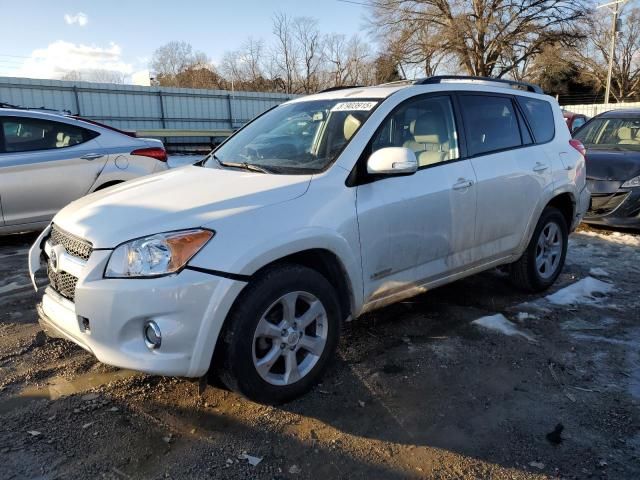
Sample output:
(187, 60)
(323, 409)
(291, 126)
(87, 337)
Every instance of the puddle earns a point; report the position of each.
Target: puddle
(58, 387)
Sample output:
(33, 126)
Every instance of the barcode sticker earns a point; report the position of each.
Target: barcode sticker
(353, 106)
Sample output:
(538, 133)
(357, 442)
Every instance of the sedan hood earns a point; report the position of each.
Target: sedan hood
(612, 165)
(182, 198)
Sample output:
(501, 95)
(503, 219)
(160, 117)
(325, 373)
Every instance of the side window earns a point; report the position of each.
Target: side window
(490, 122)
(22, 134)
(540, 117)
(424, 125)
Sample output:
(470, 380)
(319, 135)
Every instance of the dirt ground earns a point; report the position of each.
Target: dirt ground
(417, 391)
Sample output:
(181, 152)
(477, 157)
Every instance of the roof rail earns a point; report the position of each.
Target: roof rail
(344, 87)
(512, 83)
(406, 81)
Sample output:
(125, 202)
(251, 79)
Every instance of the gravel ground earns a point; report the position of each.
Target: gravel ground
(417, 390)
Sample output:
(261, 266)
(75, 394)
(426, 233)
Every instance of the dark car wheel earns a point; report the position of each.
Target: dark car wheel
(542, 261)
(281, 334)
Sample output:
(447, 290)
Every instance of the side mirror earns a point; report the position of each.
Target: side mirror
(392, 161)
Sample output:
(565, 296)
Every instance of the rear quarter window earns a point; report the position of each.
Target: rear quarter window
(540, 117)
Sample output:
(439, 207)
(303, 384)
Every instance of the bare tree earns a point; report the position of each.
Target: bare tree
(307, 36)
(486, 37)
(594, 55)
(171, 61)
(285, 53)
(336, 59)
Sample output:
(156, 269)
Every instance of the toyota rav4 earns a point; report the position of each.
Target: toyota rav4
(245, 265)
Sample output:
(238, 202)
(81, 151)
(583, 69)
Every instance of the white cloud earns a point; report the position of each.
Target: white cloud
(79, 18)
(60, 58)
(142, 78)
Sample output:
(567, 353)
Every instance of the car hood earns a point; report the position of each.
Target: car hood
(185, 197)
(612, 165)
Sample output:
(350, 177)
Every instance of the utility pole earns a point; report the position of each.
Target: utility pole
(614, 30)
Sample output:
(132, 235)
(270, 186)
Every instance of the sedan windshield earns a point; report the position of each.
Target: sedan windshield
(618, 133)
(296, 138)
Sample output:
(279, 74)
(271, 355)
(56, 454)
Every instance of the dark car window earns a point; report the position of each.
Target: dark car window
(540, 117)
(611, 132)
(22, 134)
(490, 122)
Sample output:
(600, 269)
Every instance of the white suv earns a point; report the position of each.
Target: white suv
(319, 210)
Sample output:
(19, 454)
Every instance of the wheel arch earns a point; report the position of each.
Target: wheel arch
(329, 265)
(566, 203)
(322, 260)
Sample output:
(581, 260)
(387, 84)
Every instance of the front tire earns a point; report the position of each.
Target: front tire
(280, 335)
(543, 260)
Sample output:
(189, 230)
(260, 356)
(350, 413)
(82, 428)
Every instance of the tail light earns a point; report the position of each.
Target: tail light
(153, 152)
(577, 144)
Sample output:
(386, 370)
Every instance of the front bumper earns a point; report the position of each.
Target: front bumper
(616, 209)
(107, 317)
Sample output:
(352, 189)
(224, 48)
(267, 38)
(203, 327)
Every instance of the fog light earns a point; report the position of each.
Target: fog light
(152, 335)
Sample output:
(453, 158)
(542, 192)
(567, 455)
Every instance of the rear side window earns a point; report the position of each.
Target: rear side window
(490, 122)
(540, 117)
(22, 134)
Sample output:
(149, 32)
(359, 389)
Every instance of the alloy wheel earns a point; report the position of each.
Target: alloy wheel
(549, 250)
(290, 338)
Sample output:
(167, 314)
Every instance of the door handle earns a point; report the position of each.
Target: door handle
(540, 167)
(92, 156)
(462, 184)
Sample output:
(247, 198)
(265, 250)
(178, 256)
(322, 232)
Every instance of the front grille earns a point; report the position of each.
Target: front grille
(73, 245)
(62, 282)
(605, 204)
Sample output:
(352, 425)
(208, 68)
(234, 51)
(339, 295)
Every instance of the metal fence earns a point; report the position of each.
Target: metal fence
(137, 108)
(594, 109)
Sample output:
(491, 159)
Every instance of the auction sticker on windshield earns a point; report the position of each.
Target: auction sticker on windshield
(351, 106)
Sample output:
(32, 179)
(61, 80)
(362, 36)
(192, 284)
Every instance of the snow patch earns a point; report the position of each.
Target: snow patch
(499, 323)
(585, 291)
(598, 272)
(522, 316)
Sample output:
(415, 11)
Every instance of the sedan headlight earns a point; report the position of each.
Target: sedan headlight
(156, 255)
(634, 182)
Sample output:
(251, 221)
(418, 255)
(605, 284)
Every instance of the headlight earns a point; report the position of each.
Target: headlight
(634, 182)
(156, 255)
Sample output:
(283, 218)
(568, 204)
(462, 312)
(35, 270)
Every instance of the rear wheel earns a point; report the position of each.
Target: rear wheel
(542, 261)
(281, 335)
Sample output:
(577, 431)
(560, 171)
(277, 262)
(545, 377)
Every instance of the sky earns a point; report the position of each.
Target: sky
(44, 39)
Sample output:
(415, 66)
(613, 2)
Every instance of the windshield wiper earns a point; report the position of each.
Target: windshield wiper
(243, 165)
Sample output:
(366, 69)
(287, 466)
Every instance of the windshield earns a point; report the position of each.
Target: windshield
(619, 133)
(295, 138)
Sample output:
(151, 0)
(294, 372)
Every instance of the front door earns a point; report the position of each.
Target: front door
(45, 165)
(417, 228)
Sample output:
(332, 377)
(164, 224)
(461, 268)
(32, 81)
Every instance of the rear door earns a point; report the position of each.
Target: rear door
(44, 165)
(511, 171)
